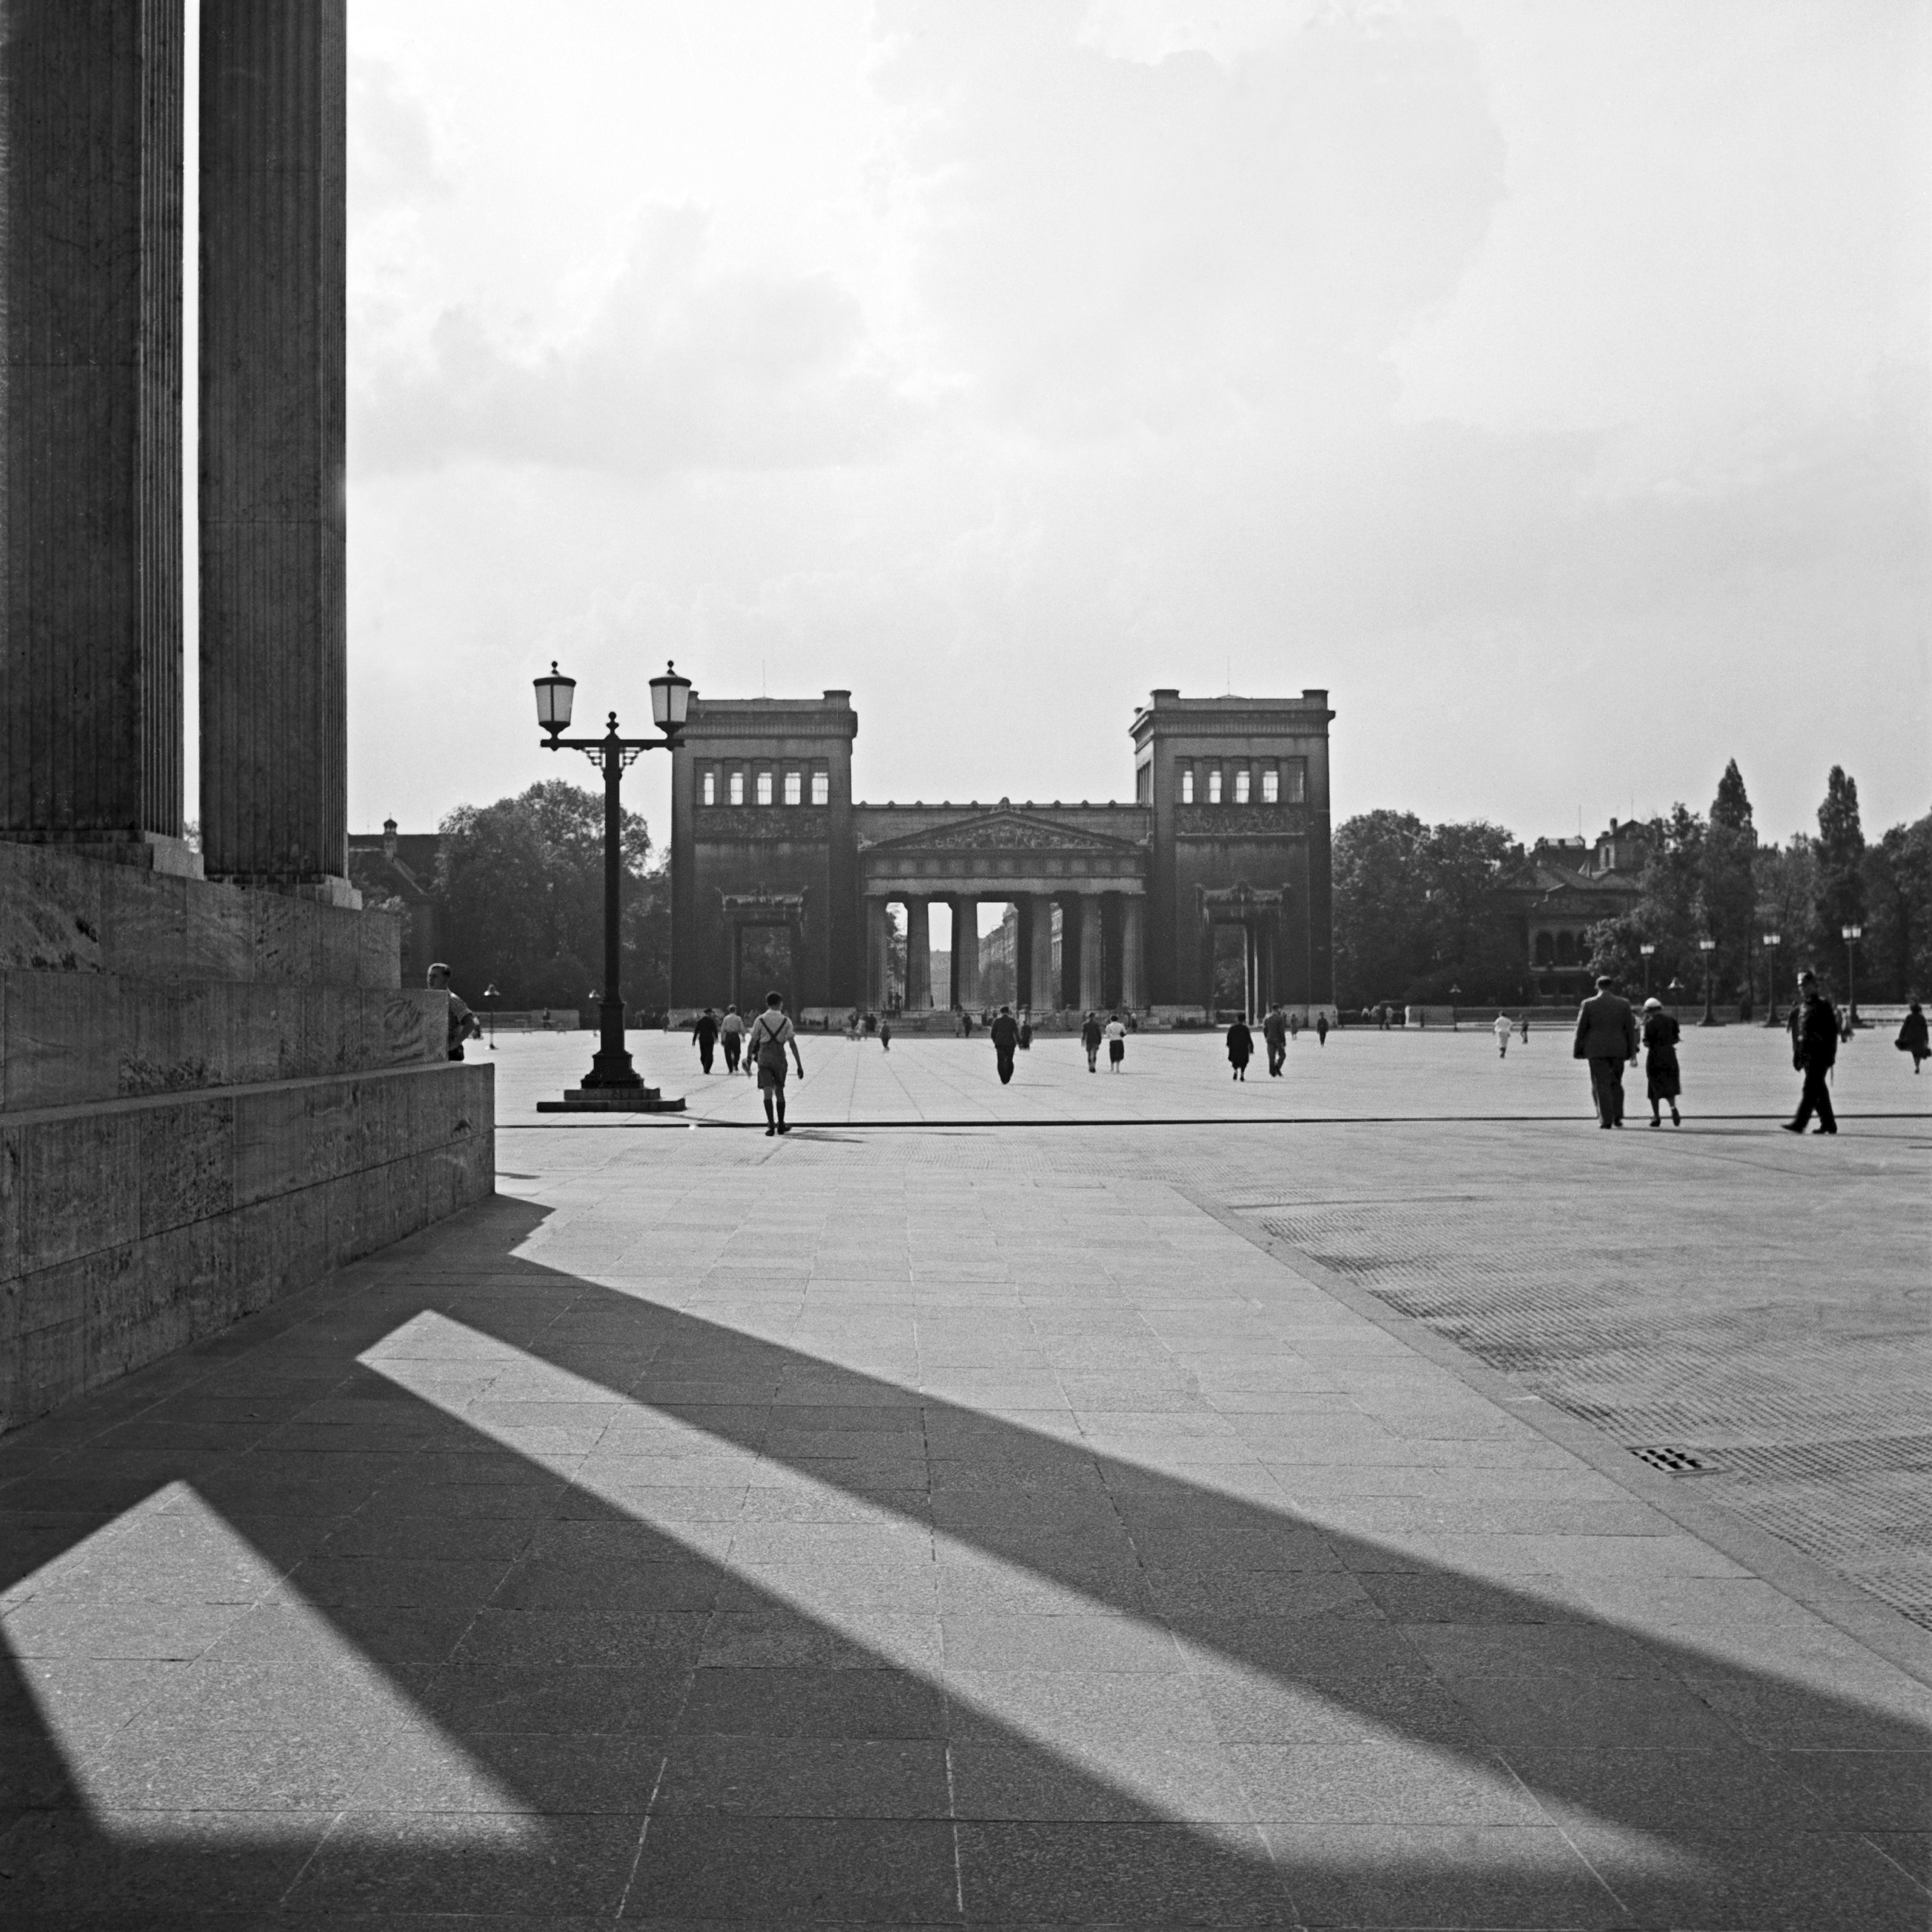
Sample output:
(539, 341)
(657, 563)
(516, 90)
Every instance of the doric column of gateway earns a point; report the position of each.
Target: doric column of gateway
(878, 953)
(1089, 952)
(91, 740)
(274, 627)
(966, 953)
(919, 957)
(1133, 910)
(1046, 993)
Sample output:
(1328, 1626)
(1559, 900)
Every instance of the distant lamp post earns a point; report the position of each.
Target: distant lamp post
(1649, 950)
(1455, 993)
(670, 704)
(1675, 992)
(1771, 942)
(492, 995)
(1851, 935)
(1707, 947)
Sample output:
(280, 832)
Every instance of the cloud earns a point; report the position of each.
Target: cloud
(676, 367)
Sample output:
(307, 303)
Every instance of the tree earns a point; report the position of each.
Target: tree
(1898, 896)
(1787, 897)
(1670, 912)
(1379, 893)
(1727, 892)
(522, 885)
(1841, 851)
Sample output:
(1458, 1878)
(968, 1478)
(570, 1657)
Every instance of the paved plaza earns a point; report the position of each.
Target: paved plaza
(1133, 1500)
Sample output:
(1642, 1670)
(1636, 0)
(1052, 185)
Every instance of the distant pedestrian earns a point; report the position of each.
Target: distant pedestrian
(1090, 1033)
(1005, 1033)
(1240, 1049)
(463, 1024)
(731, 1036)
(1502, 1027)
(965, 1023)
(771, 1034)
(1321, 1028)
(1274, 1032)
(1026, 1030)
(1116, 1032)
(1606, 1037)
(869, 1024)
(1522, 1029)
(705, 1032)
(1814, 1026)
(885, 1033)
(1912, 1037)
(1662, 1080)
(1294, 1024)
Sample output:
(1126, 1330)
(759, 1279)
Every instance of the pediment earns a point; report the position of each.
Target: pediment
(1003, 831)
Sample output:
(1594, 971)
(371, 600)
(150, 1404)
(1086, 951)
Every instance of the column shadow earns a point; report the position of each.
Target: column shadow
(377, 1662)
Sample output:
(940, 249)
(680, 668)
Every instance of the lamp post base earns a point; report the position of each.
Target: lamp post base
(635, 1098)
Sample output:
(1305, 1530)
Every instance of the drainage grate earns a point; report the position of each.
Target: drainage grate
(1673, 1461)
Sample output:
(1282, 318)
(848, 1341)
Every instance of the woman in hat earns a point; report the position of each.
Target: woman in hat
(1660, 1034)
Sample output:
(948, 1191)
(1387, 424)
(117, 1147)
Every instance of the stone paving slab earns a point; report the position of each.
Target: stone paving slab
(926, 1527)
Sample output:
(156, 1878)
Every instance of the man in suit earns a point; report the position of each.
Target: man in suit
(1814, 1049)
(1607, 1038)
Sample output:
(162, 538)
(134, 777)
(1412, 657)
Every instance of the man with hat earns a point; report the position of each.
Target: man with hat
(1607, 1038)
(1814, 1049)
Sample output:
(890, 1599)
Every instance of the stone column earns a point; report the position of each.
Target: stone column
(966, 954)
(919, 957)
(1132, 940)
(1089, 952)
(90, 423)
(1046, 993)
(878, 954)
(274, 633)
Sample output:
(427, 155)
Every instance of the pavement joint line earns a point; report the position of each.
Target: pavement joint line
(683, 1122)
(1883, 1631)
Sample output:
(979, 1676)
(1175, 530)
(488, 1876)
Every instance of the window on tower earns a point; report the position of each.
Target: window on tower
(764, 791)
(821, 785)
(794, 791)
(737, 788)
(1241, 786)
(1213, 784)
(1187, 784)
(707, 787)
(1270, 786)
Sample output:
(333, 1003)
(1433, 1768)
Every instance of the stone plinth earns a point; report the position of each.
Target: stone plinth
(611, 1100)
(90, 420)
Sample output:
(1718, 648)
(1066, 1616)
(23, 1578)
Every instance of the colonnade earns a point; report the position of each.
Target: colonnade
(1083, 984)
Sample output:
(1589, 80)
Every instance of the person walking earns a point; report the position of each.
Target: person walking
(705, 1032)
(885, 1033)
(1662, 1080)
(1321, 1028)
(1116, 1034)
(1814, 1026)
(1026, 1030)
(1606, 1037)
(1294, 1024)
(464, 1025)
(1005, 1033)
(1274, 1032)
(771, 1034)
(1522, 1028)
(1502, 1027)
(731, 1037)
(1090, 1038)
(1240, 1049)
(1911, 1037)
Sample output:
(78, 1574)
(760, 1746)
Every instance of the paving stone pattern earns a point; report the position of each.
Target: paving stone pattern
(908, 1529)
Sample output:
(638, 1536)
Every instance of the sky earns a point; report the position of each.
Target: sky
(1548, 381)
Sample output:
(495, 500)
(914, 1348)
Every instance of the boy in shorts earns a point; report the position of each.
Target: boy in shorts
(765, 1041)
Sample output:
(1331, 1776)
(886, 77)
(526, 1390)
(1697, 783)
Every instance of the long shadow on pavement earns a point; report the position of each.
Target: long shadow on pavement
(392, 1650)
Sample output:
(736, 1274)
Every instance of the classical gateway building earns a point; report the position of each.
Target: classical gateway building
(1210, 892)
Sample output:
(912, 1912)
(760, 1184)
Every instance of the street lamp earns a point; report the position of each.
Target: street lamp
(1455, 993)
(1707, 947)
(1771, 942)
(1851, 935)
(670, 705)
(492, 995)
(1647, 949)
(1675, 992)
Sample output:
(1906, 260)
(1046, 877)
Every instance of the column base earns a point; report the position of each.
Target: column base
(325, 888)
(146, 851)
(638, 1099)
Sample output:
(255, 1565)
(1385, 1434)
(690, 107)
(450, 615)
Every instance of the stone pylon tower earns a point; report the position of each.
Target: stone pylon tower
(213, 1087)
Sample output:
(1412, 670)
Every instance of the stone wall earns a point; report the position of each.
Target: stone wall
(208, 1097)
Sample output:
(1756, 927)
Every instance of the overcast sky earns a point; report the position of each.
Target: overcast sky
(1548, 381)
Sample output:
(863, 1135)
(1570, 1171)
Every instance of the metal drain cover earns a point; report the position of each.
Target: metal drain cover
(1673, 1461)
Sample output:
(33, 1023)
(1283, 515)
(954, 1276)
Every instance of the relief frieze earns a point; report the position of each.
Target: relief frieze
(731, 824)
(1240, 821)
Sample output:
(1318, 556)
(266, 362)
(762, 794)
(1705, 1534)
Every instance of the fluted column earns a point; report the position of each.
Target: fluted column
(1089, 952)
(1046, 993)
(919, 957)
(1133, 908)
(966, 953)
(274, 631)
(90, 421)
(878, 954)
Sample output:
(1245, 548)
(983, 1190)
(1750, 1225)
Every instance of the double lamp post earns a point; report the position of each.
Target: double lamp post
(612, 1077)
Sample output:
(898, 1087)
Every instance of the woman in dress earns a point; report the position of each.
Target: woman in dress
(1240, 1049)
(1660, 1033)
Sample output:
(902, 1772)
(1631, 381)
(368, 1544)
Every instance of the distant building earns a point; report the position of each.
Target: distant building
(1565, 887)
(402, 867)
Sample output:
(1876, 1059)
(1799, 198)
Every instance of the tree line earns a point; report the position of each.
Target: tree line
(1420, 909)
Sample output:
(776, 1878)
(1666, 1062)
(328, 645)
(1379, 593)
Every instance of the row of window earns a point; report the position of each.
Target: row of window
(728, 784)
(1270, 781)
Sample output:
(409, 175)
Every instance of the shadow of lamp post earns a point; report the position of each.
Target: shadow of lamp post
(1708, 947)
(1771, 942)
(1851, 935)
(612, 1079)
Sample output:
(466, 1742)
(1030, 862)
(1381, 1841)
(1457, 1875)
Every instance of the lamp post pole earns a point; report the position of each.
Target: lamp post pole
(1772, 940)
(1648, 949)
(1676, 991)
(1707, 947)
(671, 699)
(490, 993)
(1851, 935)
